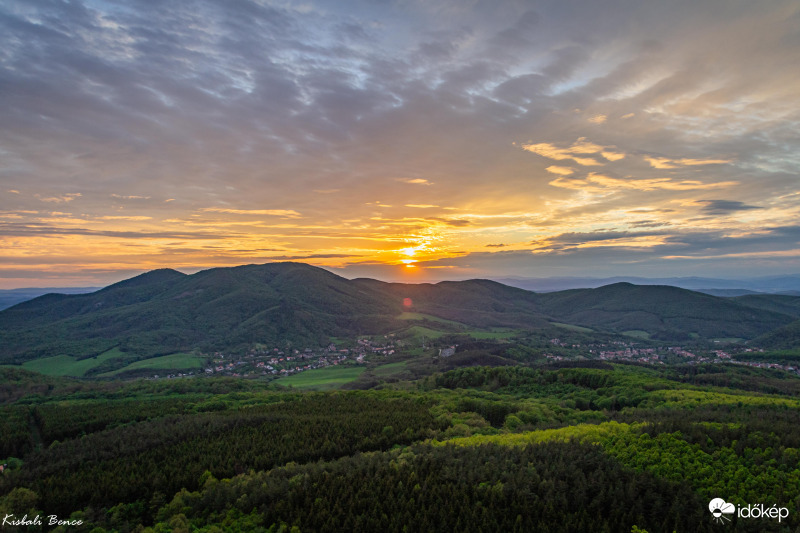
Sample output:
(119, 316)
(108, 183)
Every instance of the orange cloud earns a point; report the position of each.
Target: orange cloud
(60, 199)
(666, 163)
(595, 181)
(576, 152)
(561, 171)
(415, 181)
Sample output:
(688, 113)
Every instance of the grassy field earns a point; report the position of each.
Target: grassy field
(496, 334)
(421, 316)
(637, 333)
(327, 378)
(165, 362)
(65, 365)
(420, 331)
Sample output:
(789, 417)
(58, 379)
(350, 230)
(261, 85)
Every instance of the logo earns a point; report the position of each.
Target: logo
(719, 508)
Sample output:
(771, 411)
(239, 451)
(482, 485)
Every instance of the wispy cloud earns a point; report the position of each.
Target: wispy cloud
(129, 197)
(562, 171)
(578, 152)
(667, 163)
(279, 127)
(64, 198)
(287, 213)
(415, 181)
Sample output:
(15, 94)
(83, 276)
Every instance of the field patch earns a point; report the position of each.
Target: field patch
(421, 316)
(330, 377)
(637, 333)
(421, 331)
(496, 334)
(65, 365)
(175, 361)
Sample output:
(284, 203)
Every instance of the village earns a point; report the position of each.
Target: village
(628, 352)
(281, 362)
(274, 362)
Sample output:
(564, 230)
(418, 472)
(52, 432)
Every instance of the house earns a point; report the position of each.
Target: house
(447, 352)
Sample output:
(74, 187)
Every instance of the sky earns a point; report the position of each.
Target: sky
(408, 140)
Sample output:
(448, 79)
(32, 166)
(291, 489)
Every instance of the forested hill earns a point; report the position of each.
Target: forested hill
(664, 311)
(280, 304)
(223, 308)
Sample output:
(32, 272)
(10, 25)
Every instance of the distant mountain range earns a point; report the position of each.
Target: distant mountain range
(9, 297)
(294, 304)
(788, 285)
(718, 287)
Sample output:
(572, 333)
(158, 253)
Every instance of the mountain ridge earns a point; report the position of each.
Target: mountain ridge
(295, 304)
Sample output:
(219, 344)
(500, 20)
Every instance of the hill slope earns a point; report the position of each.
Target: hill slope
(663, 311)
(165, 311)
(476, 302)
(783, 338)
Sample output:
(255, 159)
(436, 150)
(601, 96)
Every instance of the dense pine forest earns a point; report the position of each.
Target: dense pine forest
(571, 447)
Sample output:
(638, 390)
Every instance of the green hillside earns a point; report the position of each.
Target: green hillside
(164, 312)
(778, 303)
(664, 312)
(784, 338)
(292, 304)
(477, 302)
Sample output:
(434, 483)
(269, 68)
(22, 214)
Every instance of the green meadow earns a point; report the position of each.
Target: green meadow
(175, 361)
(327, 378)
(65, 365)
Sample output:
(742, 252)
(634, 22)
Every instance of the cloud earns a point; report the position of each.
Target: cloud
(286, 213)
(131, 197)
(576, 152)
(123, 217)
(455, 222)
(525, 124)
(599, 182)
(415, 181)
(654, 183)
(28, 229)
(723, 207)
(667, 163)
(562, 171)
(65, 198)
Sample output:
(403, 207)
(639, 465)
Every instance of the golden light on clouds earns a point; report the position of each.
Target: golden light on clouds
(577, 152)
(562, 171)
(481, 148)
(415, 181)
(666, 163)
(289, 213)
